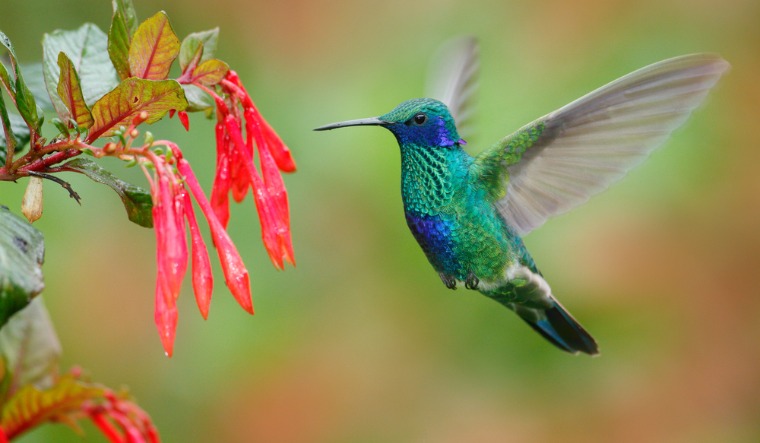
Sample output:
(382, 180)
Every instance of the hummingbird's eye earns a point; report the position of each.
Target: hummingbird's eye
(419, 118)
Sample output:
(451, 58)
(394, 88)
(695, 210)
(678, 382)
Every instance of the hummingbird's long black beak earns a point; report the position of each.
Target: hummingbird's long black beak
(374, 121)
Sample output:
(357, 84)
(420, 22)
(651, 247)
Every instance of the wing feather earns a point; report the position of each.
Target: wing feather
(592, 142)
(452, 79)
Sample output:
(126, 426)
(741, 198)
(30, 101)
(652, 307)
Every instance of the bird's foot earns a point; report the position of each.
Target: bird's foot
(471, 282)
(448, 280)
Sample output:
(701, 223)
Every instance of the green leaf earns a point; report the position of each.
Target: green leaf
(130, 98)
(197, 99)
(26, 104)
(30, 346)
(118, 45)
(19, 132)
(136, 200)
(123, 27)
(210, 72)
(25, 101)
(35, 80)
(6, 80)
(128, 14)
(7, 133)
(5, 41)
(22, 251)
(153, 49)
(87, 48)
(70, 91)
(204, 41)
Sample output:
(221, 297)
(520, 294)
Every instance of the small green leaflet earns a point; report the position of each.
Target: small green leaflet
(204, 41)
(25, 102)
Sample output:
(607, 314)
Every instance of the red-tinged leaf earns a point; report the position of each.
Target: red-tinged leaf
(203, 278)
(130, 98)
(31, 406)
(70, 91)
(153, 49)
(235, 272)
(209, 72)
(119, 38)
(68, 399)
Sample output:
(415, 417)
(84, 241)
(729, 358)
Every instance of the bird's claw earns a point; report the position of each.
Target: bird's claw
(448, 280)
(471, 282)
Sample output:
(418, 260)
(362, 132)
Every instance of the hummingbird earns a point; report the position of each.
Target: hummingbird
(470, 213)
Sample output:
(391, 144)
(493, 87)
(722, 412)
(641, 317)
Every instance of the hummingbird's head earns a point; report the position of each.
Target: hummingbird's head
(420, 122)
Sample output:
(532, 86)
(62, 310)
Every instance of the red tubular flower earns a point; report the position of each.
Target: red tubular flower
(222, 181)
(267, 210)
(171, 206)
(236, 173)
(171, 248)
(203, 279)
(235, 272)
(120, 420)
(166, 316)
(268, 187)
(274, 143)
(183, 118)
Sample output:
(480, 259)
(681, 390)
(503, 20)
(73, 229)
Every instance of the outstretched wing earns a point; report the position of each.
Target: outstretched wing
(560, 160)
(452, 79)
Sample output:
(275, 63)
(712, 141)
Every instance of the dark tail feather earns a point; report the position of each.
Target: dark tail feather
(560, 328)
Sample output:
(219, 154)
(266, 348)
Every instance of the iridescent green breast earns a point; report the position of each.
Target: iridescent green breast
(428, 182)
(459, 230)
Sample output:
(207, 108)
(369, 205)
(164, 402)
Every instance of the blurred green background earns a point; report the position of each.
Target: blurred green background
(361, 342)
